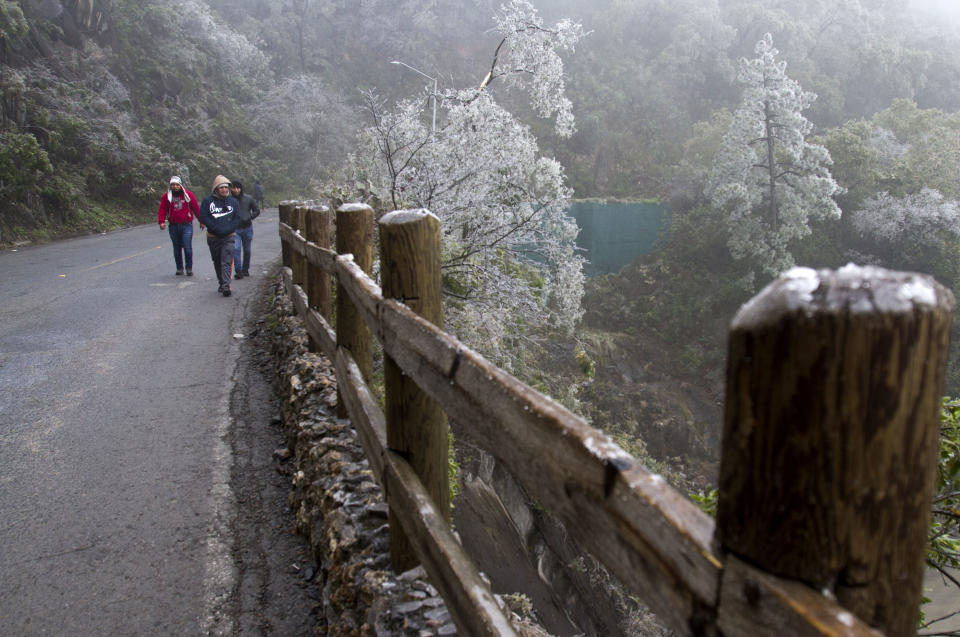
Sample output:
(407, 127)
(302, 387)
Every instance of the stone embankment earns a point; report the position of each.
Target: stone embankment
(339, 506)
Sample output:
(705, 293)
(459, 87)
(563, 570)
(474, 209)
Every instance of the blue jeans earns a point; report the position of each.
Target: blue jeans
(182, 236)
(244, 238)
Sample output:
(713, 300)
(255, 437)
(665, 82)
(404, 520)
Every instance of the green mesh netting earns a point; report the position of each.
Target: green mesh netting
(614, 234)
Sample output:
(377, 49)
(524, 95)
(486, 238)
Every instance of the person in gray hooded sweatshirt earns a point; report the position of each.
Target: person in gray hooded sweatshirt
(219, 213)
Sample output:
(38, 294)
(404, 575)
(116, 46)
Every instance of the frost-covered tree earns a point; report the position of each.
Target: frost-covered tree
(925, 217)
(767, 178)
(508, 246)
(306, 120)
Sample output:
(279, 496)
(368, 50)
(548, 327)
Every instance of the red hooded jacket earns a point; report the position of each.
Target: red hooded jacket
(179, 209)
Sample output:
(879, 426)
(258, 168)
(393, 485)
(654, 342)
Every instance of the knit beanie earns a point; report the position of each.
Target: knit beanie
(220, 181)
(182, 193)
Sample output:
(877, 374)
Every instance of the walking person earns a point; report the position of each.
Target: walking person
(246, 214)
(218, 213)
(258, 194)
(179, 206)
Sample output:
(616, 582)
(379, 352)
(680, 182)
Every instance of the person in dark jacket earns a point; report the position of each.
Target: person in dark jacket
(179, 205)
(258, 194)
(218, 213)
(247, 213)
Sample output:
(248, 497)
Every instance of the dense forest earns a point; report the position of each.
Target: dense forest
(102, 100)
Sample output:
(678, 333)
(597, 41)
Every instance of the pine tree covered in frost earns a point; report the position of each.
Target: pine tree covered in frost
(766, 177)
(509, 260)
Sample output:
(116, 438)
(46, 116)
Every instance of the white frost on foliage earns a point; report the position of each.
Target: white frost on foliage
(233, 51)
(770, 110)
(924, 217)
(509, 257)
(532, 55)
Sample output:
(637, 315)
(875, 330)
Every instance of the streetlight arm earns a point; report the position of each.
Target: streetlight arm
(433, 124)
(415, 70)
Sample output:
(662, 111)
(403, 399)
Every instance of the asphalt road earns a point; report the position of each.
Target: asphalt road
(117, 509)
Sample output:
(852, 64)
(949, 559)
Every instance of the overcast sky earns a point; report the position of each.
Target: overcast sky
(948, 7)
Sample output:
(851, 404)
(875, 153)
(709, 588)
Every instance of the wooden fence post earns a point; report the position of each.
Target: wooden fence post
(416, 425)
(354, 236)
(300, 261)
(285, 210)
(834, 383)
(318, 281)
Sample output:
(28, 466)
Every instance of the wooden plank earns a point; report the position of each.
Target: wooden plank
(323, 258)
(364, 411)
(288, 235)
(756, 603)
(641, 534)
(321, 334)
(468, 598)
(361, 289)
(653, 538)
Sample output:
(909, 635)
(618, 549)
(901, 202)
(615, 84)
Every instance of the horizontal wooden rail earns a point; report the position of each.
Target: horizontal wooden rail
(653, 538)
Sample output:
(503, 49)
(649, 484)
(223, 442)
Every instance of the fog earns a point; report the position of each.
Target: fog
(641, 103)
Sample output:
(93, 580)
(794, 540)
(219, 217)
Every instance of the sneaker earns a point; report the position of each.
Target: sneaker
(179, 272)
(189, 272)
(226, 291)
(238, 275)
(246, 273)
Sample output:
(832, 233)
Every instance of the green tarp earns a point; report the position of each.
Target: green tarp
(614, 234)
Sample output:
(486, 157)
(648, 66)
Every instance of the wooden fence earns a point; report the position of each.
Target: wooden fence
(829, 451)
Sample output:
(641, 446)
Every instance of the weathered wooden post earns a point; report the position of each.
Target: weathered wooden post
(300, 261)
(354, 236)
(416, 426)
(285, 210)
(319, 219)
(834, 382)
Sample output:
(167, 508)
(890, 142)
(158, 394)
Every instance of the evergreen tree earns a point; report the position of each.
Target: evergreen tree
(768, 179)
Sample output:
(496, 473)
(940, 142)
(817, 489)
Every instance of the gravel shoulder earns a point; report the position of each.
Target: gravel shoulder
(273, 592)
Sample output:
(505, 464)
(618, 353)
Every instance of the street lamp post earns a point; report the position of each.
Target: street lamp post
(433, 96)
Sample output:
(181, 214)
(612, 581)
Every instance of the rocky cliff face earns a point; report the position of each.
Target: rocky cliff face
(58, 23)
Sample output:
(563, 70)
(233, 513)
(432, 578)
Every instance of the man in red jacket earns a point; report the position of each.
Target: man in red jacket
(180, 206)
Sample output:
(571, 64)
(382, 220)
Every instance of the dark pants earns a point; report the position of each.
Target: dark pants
(244, 238)
(221, 250)
(182, 236)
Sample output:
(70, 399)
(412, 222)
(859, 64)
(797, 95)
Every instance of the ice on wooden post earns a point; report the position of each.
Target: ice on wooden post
(834, 382)
(354, 236)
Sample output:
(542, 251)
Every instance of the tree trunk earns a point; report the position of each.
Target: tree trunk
(771, 165)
